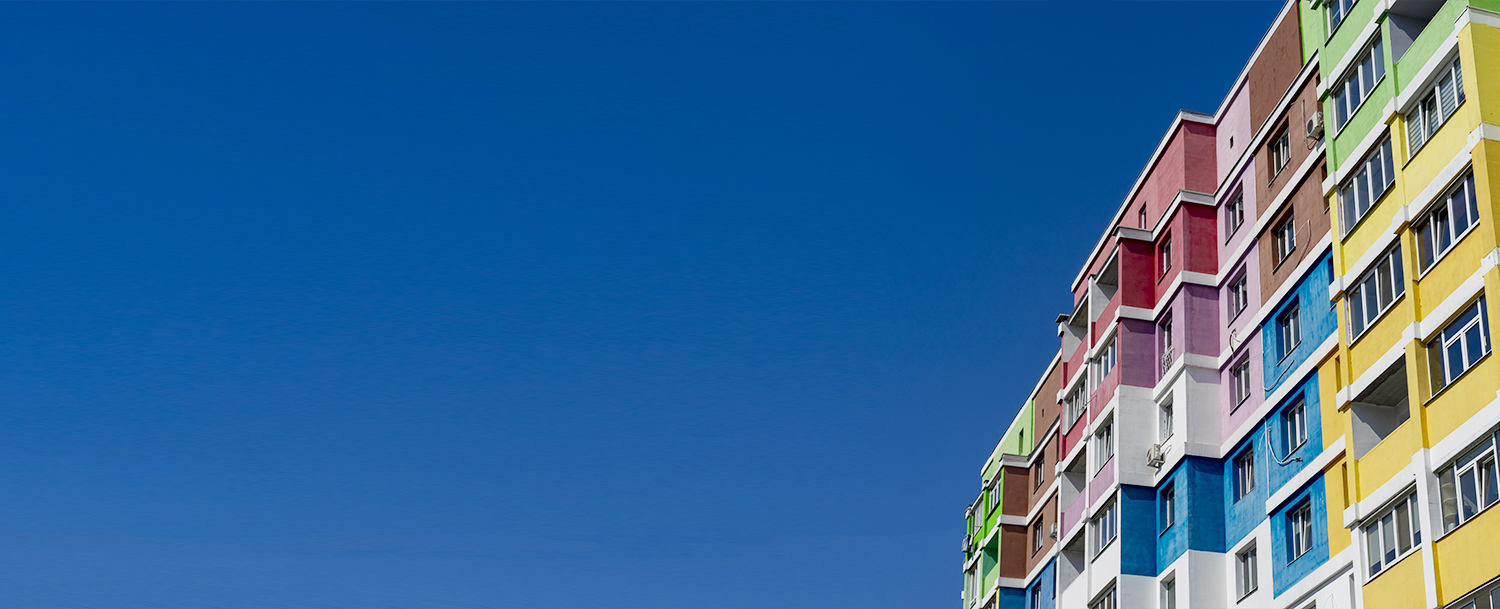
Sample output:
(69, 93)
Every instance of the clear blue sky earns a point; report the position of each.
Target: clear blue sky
(575, 305)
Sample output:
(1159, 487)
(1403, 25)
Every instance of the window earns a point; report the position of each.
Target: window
(1166, 256)
(1366, 184)
(993, 498)
(1294, 426)
(1076, 402)
(1105, 361)
(1143, 218)
(1036, 596)
(1351, 92)
(1436, 107)
(1169, 593)
(1241, 389)
(1104, 445)
(1234, 214)
(1375, 292)
(1105, 601)
(1103, 527)
(1337, 10)
(1393, 534)
(1244, 474)
(1285, 235)
(1289, 331)
(1459, 345)
(1300, 530)
(1036, 536)
(1038, 473)
(1168, 511)
(1165, 416)
(1469, 484)
(1168, 355)
(1281, 151)
(1245, 579)
(1449, 221)
(1239, 295)
(972, 577)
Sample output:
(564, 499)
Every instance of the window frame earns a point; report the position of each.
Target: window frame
(1426, 128)
(1284, 239)
(1036, 536)
(1299, 530)
(1165, 418)
(1106, 521)
(1238, 372)
(1385, 527)
(1444, 204)
(1289, 331)
(1450, 480)
(1104, 444)
(1244, 473)
(1166, 509)
(1441, 345)
(1280, 151)
(1382, 157)
(1294, 425)
(1246, 572)
(1374, 51)
(1328, 13)
(1239, 295)
(1391, 263)
(1234, 214)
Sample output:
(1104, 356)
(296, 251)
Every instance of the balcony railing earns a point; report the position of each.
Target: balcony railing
(1167, 358)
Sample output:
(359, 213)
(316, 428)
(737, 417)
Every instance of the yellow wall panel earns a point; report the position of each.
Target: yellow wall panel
(1399, 587)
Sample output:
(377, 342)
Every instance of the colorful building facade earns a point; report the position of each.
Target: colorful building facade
(1274, 387)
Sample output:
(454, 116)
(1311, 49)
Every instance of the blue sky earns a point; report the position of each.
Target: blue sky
(545, 304)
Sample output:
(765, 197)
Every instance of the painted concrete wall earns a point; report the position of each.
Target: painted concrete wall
(1295, 458)
(1286, 571)
(1318, 322)
(1232, 134)
(1045, 587)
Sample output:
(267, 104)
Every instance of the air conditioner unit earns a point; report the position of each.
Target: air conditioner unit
(1154, 456)
(1052, 532)
(1315, 126)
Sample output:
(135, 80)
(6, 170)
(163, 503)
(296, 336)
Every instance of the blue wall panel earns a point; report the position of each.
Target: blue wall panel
(1206, 500)
(1137, 530)
(1011, 598)
(1275, 426)
(1317, 320)
(1044, 588)
(1284, 571)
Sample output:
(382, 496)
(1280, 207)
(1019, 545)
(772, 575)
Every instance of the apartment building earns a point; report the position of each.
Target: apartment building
(1273, 388)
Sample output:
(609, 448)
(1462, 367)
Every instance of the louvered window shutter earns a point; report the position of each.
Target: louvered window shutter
(1445, 96)
(1458, 80)
(1414, 131)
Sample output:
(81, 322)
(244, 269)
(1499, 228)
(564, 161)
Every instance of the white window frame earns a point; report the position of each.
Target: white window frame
(1104, 527)
(1476, 470)
(1457, 335)
(1166, 422)
(1166, 255)
(1368, 181)
(1169, 592)
(1167, 506)
(1234, 214)
(1284, 239)
(1432, 110)
(1375, 293)
(1239, 373)
(1104, 444)
(1294, 425)
(1363, 76)
(1337, 10)
(1244, 473)
(1281, 152)
(1106, 600)
(1289, 330)
(1299, 530)
(1239, 295)
(1246, 572)
(1440, 223)
(1383, 536)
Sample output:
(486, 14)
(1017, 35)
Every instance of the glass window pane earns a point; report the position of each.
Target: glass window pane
(1424, 245)
(1416, 521)
(1372, 545)
(1475, 346)
(1468, 495)
(1388, 537)
(1403, 527)
(1455, 358)
(1460, 213)
(1487, 482)
(1449, 499)
(1387, 163)
(1379, 54)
